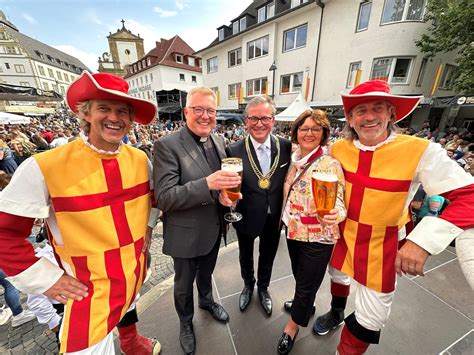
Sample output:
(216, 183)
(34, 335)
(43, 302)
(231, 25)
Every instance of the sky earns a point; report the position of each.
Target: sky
(80, 27)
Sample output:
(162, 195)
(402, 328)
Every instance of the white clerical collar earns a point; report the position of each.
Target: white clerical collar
(85, 139)
(372, 148)
(257, 145)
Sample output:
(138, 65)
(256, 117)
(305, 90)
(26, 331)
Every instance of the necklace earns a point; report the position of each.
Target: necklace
(263, 180)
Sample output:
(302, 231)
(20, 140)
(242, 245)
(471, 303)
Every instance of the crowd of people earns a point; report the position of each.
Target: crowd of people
(112, 195)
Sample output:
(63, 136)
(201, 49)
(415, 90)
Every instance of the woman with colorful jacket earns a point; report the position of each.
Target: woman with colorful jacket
(308, 244)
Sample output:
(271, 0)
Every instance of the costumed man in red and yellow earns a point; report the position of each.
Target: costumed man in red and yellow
(383, 170)
(94, 194)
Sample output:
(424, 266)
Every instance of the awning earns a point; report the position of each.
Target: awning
(297, 107)
(9, 118)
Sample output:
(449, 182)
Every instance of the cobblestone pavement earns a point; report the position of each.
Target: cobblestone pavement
(36, 339)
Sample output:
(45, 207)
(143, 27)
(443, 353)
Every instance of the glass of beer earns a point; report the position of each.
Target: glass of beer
(235, 165)
(324, 186)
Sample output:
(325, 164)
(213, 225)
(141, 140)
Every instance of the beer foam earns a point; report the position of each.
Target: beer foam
(235, 168)
(329, 177)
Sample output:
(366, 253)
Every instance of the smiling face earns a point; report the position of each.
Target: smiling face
(109, 122)
(309, 136)
(200, 124)
(259, 130)
(370, 120)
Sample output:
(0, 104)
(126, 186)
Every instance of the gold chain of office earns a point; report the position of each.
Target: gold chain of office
(263, 180)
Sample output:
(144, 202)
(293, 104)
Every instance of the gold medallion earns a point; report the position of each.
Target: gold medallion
(264, 183)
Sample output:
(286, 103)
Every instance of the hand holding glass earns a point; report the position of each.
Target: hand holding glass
(324, 186)
(234, 165)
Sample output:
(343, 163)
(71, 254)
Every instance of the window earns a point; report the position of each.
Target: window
(60, 77)
(403, 10)
(55, 87)
(295, 3)
(66, 78)
(127, 51)
(10, 50)
(235, 57)
(191, 61)
(141, 80)
(193, 78)
(41, 70)
(140, 65)
(7, 65)
(351, 76)
(234, 90)
(271, 9)
(221, 34)
(235, 27)
(24, 83)
(393, 70)
(146, 78)
(46, 86)
(448, 77)
(261, 12)
(295, 38)
(61, 88)
(421, 73)
(19, 68)
(50, 73)
(151, 77)
(257, 48)
(181, 77)
(257, 87)
(291, 83)
(215, 89)
(143, 63)
(243, 23)
(3, 35)
(364, 16)
(179, 58)
(212, 65)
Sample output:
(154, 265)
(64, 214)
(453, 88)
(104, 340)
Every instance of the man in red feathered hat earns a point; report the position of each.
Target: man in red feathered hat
(383, 170)
(95, 196)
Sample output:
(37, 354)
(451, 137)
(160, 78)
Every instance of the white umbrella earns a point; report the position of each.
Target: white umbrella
(10, 118)
(297, 107)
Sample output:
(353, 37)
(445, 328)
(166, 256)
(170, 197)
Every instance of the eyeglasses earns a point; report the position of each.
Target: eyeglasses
(264, 119)
(313, 130)
(199, 111)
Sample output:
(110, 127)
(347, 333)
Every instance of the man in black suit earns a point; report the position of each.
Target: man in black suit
(187, 180)
(266, 159)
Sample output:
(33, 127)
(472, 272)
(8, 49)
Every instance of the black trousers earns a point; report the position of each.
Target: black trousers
(188, 269)
(308, 263)
(269, 240)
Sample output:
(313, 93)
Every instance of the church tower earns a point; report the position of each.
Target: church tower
(124, 48)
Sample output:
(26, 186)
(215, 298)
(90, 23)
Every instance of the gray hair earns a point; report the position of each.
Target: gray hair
(351, 134)
(258, 100)
(203, 90)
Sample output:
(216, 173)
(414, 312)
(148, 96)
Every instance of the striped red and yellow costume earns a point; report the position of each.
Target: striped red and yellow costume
(101, 205)
(377, 183)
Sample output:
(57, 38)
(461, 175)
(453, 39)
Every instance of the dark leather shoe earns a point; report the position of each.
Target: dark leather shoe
(285, 344)
(265, 301)
(245, 298)
(288, 304)
(187, 339)
(217, 311)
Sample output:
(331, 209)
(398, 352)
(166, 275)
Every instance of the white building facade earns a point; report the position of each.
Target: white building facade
(25, 61)
(170, 65)
(322, 47)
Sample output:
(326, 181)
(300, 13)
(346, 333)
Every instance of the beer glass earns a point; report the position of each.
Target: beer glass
(324, 186)
(234, 165)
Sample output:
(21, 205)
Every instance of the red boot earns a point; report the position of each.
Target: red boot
(133, 343)
(350, 345)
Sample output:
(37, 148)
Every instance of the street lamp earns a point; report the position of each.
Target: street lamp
(272, 69)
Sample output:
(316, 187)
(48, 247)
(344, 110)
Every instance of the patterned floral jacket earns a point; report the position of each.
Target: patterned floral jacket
(299, 213)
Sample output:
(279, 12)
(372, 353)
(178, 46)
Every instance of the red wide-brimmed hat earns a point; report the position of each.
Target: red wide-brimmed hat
(103, 86)
(380, 90)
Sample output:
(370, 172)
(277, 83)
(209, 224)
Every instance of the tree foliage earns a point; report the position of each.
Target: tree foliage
(452, 30)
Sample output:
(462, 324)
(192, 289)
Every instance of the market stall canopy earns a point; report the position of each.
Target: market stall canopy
(10, 118)
(298, 106)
